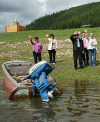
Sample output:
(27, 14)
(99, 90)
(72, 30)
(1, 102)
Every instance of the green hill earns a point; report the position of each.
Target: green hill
(72, 18)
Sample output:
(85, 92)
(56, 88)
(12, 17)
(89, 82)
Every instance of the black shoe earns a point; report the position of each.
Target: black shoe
(76, 68)
(81, 68)
(87, 63)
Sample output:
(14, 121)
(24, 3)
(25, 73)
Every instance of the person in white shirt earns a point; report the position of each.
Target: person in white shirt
(92, 49)
(52, 47)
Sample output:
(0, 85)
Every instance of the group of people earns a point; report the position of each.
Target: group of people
(38, 48)
(84, 48)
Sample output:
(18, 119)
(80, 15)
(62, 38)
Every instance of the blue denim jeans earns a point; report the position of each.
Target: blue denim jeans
(92, 53)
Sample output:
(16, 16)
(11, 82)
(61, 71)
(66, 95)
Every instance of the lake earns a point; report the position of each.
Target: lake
(80, 102)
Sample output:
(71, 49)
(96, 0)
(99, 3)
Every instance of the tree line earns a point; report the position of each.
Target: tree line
(72, 18)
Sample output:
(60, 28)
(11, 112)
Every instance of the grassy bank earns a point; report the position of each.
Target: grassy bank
(17, 46)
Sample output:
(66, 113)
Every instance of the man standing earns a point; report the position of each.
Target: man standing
(78, 49)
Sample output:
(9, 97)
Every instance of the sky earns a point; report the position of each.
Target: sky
(26, 11)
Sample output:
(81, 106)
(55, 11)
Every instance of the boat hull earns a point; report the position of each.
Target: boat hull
(12, 88)
(9, 86)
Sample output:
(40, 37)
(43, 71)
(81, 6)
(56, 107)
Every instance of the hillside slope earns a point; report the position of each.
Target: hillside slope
(17, 46)
(72, 18)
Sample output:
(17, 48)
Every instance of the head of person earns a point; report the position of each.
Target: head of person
(76, 33)
(36, 39)
(51, 36)
(77, 36)
(83, 34)
(91, 35)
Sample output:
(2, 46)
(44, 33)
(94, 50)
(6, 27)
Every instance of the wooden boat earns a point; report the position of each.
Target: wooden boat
(17, 70)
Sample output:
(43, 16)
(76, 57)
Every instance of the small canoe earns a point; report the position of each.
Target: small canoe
(13, 71)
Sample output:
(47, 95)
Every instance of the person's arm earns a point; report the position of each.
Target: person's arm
(82, 46)
(30, 38)
(47, 37)
(41, 48)
(72, 37)
(87, 43)
(94, 43)
(56, 45)
(86, 34)
(87, 37)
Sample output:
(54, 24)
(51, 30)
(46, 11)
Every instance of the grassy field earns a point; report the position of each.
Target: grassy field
(17, 46)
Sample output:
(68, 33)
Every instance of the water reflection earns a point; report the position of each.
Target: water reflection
(82, 91)
(36, 103)
(43, 110)
(80, 101)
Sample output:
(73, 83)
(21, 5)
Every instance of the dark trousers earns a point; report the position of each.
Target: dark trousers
(77, 53)
(85, 56)
(37, 55)
(52, 54)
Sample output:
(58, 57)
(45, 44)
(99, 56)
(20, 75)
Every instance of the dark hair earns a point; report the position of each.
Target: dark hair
(51, 35)
(36, 38)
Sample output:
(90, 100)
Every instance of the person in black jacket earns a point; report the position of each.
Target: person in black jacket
(78, 49)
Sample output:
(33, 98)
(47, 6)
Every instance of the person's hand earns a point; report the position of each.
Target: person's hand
(47, 35)
(42, 52)
(76, 32)
(79, 32)
(85, 31)
(30, 37)
(83, 52)
(91, 43)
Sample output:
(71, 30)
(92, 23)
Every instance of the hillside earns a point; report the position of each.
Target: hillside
(72, 18)
(17, 46)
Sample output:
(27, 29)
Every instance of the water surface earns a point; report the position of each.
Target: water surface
(80, 102)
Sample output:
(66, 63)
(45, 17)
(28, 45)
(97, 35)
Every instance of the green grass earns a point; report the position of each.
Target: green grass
(17, 46)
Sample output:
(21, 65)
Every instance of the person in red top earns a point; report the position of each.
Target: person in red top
(37, 48)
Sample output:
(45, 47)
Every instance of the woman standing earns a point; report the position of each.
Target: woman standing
(37, 48)
(52, 47)
(92, 49)
(85, 54)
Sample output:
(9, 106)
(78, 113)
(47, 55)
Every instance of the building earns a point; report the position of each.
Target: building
(15, 27)
(87, 26)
